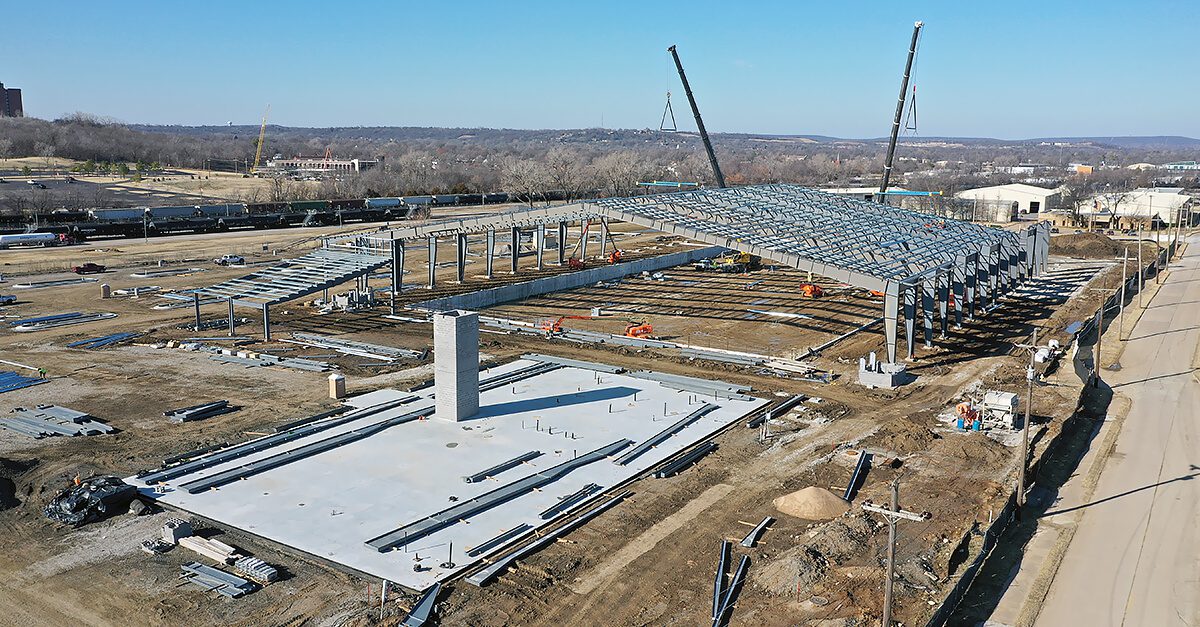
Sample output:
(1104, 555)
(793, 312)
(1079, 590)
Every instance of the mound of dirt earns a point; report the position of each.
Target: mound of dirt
(812, 503)
(902, 436)
(797, 570)
(1086, 245)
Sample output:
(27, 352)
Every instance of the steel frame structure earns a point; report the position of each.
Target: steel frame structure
(320, 270)
(921, 263)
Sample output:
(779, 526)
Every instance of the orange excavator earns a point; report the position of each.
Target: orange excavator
(553, 326)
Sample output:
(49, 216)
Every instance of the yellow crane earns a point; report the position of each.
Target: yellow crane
(262, 134)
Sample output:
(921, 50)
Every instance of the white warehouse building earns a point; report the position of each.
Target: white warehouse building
(1002, 203)
(1161, 205)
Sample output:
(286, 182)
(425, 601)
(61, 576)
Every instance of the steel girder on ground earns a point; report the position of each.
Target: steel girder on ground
(920, 262)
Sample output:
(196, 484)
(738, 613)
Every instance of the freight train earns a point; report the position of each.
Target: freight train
(140, 221)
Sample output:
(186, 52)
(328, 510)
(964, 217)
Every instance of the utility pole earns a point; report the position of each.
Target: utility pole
(891, 152)
(893, 515)
(1141, 269)
(1158, 268)
(1030, 377)
(1096, 352)
(687, 89)
(1124, 285)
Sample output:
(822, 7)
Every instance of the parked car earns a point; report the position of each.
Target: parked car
(7, 300)
(230, 260)
(88, 268)
(1054, 229)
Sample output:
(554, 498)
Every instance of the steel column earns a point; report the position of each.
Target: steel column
(432, 260)
(266, 322)
(490, 253)
(604, 236)
(460, 240)
(958, 288)
(515, 246)
(196, 305)
(397, 271)
(583, 239)
(891, 309)
(943, 299)
(971, 274)
(539, 240)
(232, 323)
(909, 296)
(928, 294)
(562, 243)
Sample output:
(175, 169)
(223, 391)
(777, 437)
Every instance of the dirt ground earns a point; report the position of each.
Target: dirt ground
(648, 561)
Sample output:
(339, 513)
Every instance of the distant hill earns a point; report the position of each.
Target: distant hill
(410, 133)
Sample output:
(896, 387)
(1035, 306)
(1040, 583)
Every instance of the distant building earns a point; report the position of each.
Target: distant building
(10, 103)
(1002, 203)
(319, 165)
(1119, 210)
(1141, 166)
(1181, 165)
(1024, 168)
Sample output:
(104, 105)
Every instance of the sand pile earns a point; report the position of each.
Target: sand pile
(1087, 245)
(812, 503)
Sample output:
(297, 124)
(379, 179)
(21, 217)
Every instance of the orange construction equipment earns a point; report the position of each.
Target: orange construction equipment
(811, 291)
(641, 329)
(614, 256)
(553, 326)
(575, 264)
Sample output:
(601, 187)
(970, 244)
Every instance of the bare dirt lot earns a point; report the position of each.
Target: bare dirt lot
(649, 561)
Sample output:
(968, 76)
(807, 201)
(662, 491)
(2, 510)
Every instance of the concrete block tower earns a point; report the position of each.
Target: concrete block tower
(456, 364)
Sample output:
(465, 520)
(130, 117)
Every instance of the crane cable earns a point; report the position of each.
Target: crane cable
(668, 111)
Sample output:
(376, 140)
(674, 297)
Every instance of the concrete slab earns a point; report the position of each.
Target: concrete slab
(331, 503)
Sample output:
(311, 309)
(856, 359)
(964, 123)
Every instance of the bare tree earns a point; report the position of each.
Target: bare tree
(45, 150)
(525, 178)
(6, 148)
(567, 172)
(618, 172)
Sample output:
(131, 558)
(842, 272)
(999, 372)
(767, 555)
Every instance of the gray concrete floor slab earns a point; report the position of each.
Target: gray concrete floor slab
(330, 504)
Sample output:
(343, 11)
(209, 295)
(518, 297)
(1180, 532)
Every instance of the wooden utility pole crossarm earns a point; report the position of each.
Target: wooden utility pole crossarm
(893, 515)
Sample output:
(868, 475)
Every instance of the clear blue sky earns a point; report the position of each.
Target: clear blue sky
(1010, 69)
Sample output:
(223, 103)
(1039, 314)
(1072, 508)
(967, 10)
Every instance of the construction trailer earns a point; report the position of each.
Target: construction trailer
(919, 262)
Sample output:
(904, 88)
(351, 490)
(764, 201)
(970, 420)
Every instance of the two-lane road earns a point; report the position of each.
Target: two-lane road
(1135, 557)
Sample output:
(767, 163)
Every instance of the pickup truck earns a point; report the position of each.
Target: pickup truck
(230, 260)
(88, 268)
